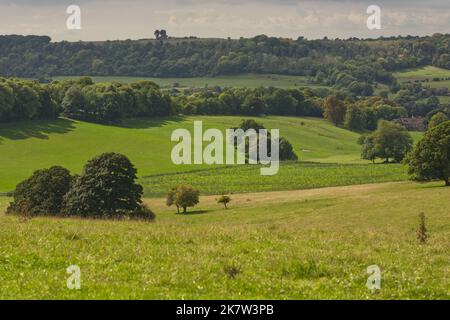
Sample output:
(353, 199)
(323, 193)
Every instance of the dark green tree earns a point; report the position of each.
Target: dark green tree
(42, 193)
(286, 151)
(106, 188)
(430, 158)
(437, 119)
(391, 141)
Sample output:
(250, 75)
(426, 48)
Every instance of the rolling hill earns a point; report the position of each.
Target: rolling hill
(28, 146)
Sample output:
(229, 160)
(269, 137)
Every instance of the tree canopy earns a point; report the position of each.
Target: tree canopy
(430, 158)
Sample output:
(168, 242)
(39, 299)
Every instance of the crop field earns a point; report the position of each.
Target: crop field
(247, 81)
(310, 244)
(292, 176)
(28, 146)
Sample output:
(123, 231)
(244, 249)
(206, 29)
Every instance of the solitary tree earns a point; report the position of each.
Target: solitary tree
(389, 141)
(224, 200)
(161, 34)
(183, 196)
(430, 158)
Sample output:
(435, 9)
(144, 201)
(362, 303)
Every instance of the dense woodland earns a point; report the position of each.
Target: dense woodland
(351, 69)
(347, 63)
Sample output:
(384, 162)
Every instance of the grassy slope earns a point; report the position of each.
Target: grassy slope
(25, 147)
(313, 244)
(247, 80)
(429, 73)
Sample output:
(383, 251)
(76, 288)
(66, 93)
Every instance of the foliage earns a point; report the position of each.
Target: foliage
(42, 193)
(106, 188)
(286, 151)
(390, 140)
(430, 158)
(143, 212)
(334, 109)
(355, 118)
(351, 63)
(183, 196)
(437, 119)
(224, 200)
(25, 100)
(422, 231)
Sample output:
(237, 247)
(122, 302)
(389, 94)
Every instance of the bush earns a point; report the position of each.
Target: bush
(142, 213)
(286, 150)
(105, 189)
(42, 193)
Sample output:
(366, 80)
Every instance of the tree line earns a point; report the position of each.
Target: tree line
(354, 64)
(85, 100)
(109, 102)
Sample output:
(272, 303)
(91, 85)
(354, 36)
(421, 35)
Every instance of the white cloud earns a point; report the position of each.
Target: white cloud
(114, 19)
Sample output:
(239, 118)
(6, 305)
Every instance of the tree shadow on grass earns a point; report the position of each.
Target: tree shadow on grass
(39, 129)
(147, 123)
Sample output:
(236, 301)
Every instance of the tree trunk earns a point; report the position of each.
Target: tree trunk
(225, 206)
(178, 209)
(184, 209)
(447, 182)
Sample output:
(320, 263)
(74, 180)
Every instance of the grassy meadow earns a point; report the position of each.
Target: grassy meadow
(309, 232)
(28, 146)
(427, 73)
(310, 244)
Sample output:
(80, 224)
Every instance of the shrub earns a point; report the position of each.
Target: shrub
(106, 188)
(142, 213)
(422, 231)
(42, 193)
(286, 151)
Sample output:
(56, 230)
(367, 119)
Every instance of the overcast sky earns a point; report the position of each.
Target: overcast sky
(135, 19)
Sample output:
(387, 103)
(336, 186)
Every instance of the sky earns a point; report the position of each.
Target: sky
(137, 19)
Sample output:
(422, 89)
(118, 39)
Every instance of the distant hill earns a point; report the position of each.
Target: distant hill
(325, 61)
